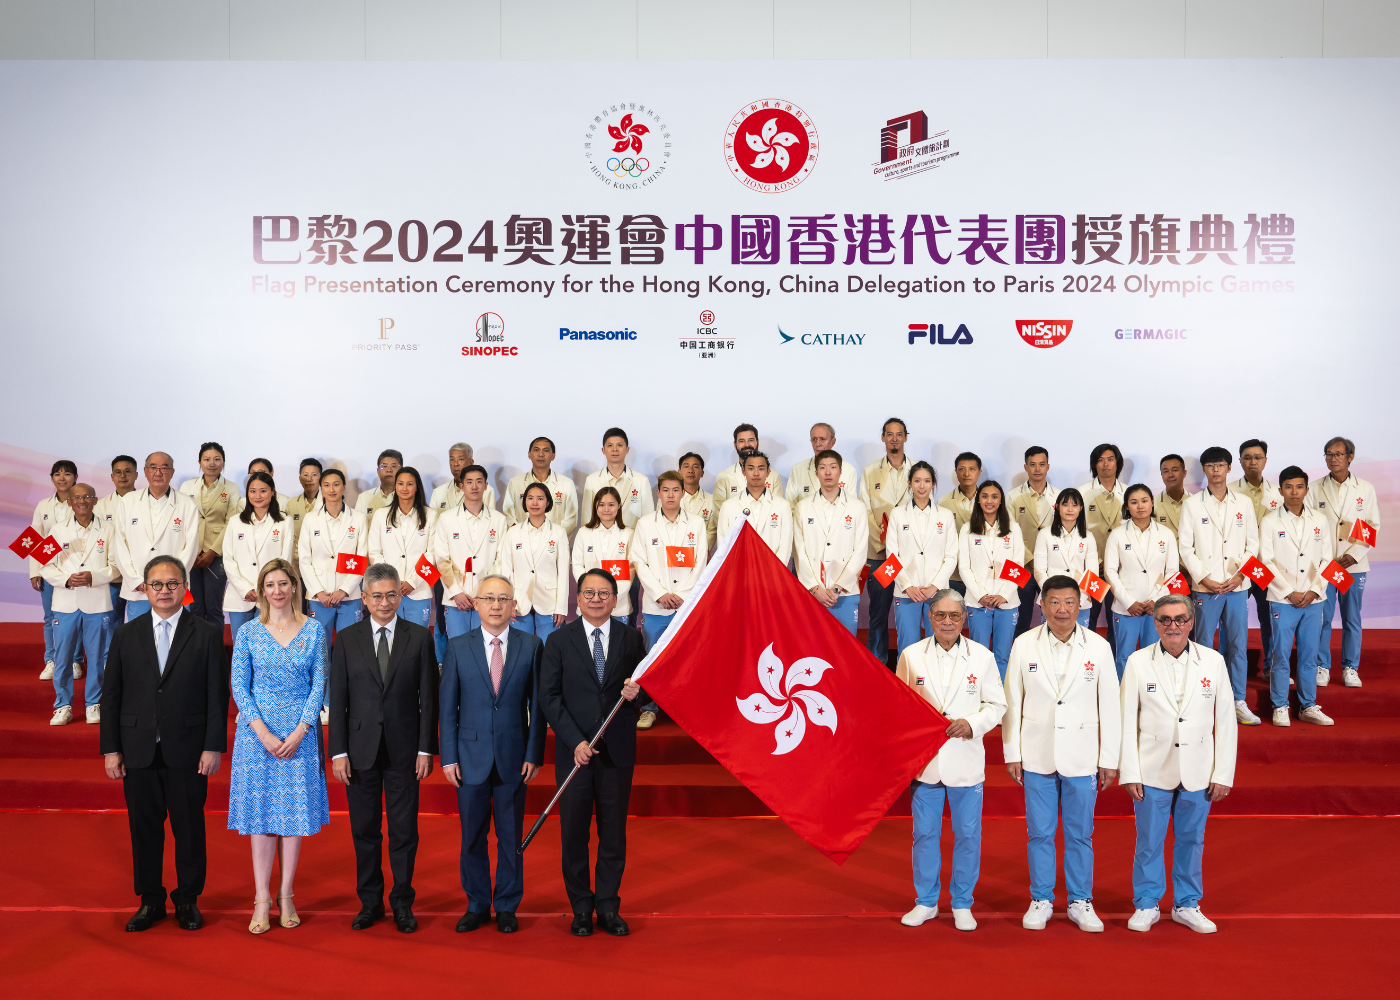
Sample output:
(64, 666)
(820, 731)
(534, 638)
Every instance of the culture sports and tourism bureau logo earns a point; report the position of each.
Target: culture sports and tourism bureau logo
(627, 146)
(770, 146)
(906, 148)
(1044, 332)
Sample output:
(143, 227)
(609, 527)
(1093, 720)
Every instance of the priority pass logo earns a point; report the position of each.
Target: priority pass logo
(1044, 332)
(770, 146)
(627, 145)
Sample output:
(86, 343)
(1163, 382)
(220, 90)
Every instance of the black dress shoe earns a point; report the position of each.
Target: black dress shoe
(143, 918)
(366, 917)
(506, 922)
(189, 918)
(471, 920)
(582, 925)
(613, 923)
(404, 919)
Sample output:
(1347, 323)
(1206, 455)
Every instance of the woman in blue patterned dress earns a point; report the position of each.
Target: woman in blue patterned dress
(277, 785)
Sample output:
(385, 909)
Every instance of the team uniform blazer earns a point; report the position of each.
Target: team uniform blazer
(1065, 555)
(632, 486)
(647, 554)
(370, 502)
(1266, 498)
(47, 512)
(458, 535)
(173, 530)
(105, 510)
(592, 546)
(1167, 512)
(1071, 728)
(973, 693)
(1342, 504)
(249, 547)
(536, 562)
(401, 544)
(85, 550)
(449, 495)
(702, 505)
(730, 483)
(1033, 512)
(803, 483)
(1217, 537)
(1103, 509)
(961, 508)
(1138, 564)
(831, 537)
(297, 510)
(322, 539)
(770, 515)
(1295, 549)
(926, 544)
(216, 505)
(980, 559)
(1167, 743)
(884, 488)
(565, 510)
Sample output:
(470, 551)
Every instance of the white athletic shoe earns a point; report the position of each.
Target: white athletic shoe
(919, 915)
(77, 671)
(1315, 716)
(1038, 915)
(962, 920)
(1192, 917)
(1324, 677)
(1281, 716)
(1350, 678)
(1243, 715)
(47, 673)
(1142, 920)
(61, 716)
(94, 714)
(1082, 915)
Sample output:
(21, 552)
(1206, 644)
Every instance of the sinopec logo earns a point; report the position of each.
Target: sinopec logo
(1044, 332)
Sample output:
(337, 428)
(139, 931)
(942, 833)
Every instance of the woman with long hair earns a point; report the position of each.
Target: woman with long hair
(401, 534)
(924, 537)
(217, 498)
(1066, 548)
(535, 559)
(259, 534)
(331, 530)
(1140, 558)
(985, 543)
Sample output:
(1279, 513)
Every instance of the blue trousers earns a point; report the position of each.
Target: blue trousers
(207, 588)
(1306, 624)
(418, 612)
(910, 622)
(1266, 626)
(1051, 799)
(94, 631)
(459, 622)
(965, 807)
(846, 610)
(877, 638)
(1230, 614)
(536, 623)
(994, 628)
(1351, 625)
(1134, 632)
(46, 601)
(1187, 812)
(653, 628)
(501, 798)
(136, 608)
(237, 619)
(333, 619)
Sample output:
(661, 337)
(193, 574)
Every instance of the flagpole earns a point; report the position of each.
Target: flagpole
(549, 808)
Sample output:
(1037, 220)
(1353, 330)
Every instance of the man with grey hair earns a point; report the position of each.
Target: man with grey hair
(959, 678)
(155, 521)
(445, 497)
(1178, 756)
(802, 480)
(1343, 500)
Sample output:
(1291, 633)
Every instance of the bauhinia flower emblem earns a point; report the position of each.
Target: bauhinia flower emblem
(771, 145)
(628, 134)
(790, 707)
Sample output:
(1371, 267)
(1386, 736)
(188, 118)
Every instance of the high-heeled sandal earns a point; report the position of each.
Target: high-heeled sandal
(286, 919)
(264, 925)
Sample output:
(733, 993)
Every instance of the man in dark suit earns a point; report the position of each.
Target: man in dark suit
(383, 733)
(164, 728)
(588, 665)
(492, 745)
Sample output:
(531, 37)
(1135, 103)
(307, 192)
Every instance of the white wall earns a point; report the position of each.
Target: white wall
(695, 29)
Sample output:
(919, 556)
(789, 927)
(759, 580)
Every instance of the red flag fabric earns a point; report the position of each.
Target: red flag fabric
(618, 568)
(45, 551)
(771, 684)
(1256, 572)
(350, 562)
(680, 555)
(888, 570)
(427, 571)
(26, 543)
(1178, 585)
(1338, 577)
(1362, 532)
(1092, 584)
(467, 566)
(1014, 572)
(188, 599)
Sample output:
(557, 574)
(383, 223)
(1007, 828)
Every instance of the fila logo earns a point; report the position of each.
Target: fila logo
(935, 335)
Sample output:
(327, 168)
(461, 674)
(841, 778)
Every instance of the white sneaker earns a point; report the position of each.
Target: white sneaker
(1324, 676)
(1192, 917)
(61, 716)
(918, 915)
(1281, 716)
(47, 673)
(325, 716)
(94, 714)
(1350, 678)
(646, 720)
(77, 671)
(1082, 915)
(1141, 920)
(1315, 716)
(1243, 715)
(962, 920)
(1038, 915)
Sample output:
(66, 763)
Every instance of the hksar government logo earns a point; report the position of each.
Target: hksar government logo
(770, 146)
(627, 145)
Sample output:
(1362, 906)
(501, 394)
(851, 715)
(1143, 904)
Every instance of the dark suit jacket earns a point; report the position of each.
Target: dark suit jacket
(480, 727)
(363, 707)
(188, 703)
(576, 704)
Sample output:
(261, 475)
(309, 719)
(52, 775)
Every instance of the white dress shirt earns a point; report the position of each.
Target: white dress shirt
(588, 635)
(374, 641)
(486, 639)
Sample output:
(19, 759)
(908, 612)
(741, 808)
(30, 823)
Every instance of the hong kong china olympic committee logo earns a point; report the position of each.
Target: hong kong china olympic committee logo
(627, 145)
(770, 146)
(790, 707)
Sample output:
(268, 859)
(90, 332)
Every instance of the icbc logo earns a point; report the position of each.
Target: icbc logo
(1044, 332)
(770, 146)
(707, 318)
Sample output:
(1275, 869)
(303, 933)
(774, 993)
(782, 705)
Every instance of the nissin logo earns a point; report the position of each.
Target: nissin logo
(935, 335)
(1044, 332)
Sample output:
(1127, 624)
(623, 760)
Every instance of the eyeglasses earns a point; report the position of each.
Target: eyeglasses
(82, 496)
(1216, 466)
(493, 600)
(160, 468)
(390, 468)
(1181, 620)
(383, 598)
(1334, 454)
(946, 616)
(159, 585)
(595, 595)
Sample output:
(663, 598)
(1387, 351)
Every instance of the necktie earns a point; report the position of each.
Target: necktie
(598, 658)
(162, 643)
(497, 665)
(383, 652)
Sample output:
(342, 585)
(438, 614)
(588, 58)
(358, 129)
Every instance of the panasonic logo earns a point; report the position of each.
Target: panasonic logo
(566, 334)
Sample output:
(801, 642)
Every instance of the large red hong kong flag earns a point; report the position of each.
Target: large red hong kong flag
(796, 708)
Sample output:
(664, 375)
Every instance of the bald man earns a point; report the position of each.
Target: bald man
(155, 521)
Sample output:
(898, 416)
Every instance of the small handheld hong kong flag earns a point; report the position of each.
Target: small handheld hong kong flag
(26, 543)
(618, 568)
(45, 551)
(188, 599)
(888, 570)
(349, 562)
(679, 555)
(427, 571)
(1256, 572)
(1178, 585)
(1338, 577)
(1014, 572)
(1092, 584)
(1362, 532)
